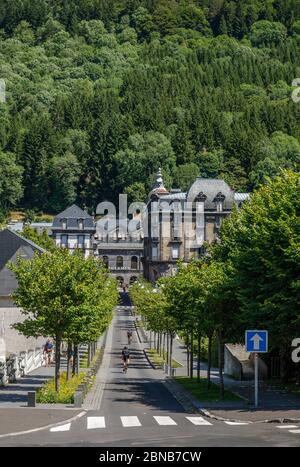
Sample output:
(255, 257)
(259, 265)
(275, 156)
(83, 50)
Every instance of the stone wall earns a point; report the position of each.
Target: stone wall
(14, 341)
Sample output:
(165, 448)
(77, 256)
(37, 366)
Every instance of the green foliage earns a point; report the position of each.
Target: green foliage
(10, 180)
(41, 239)
(261, 244)
(199, 390)
(102, 92)
(48, 395)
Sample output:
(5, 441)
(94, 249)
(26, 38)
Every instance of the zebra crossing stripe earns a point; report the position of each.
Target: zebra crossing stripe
(130, 421)
(95, 422)
(294, 431)
(165, 421)
(236, 423)
(65, 427)
(198, 421)
(286, 427)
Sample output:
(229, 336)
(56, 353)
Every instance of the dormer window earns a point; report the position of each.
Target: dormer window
(219, 201)
(80, 224)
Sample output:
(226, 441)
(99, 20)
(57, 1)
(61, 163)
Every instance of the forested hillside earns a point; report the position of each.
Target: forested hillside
(99, 93)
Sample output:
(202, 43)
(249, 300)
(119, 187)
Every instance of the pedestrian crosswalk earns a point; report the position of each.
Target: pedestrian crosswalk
(295, 429)
(181, 421)
(131, 421)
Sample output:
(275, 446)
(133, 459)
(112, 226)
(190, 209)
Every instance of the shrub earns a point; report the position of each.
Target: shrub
(48, 395)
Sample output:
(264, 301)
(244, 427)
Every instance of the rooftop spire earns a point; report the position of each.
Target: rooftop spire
(159, 186)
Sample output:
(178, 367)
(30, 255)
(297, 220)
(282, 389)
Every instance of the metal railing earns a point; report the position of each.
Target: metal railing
(17, 366)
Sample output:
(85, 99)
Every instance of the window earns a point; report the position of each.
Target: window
(64, 241)
(119, 261)
(120, 280)
(105, 260)
(175, 251)
(133, 279)
(80, 241)
(134, 262)
(154, 252)
(64, 224)
(80, 224)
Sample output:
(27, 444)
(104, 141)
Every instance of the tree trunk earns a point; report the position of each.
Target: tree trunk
(187, 355)
(89, 354)
(160, 344)
(69, 356)
(75, 355)
(78, 361)
(164, 345)
(57, 361)
(167, 357)
(221, 358)
(198, 355)
(171, 349)
(192, 355)
(284, 364)
(209, 361)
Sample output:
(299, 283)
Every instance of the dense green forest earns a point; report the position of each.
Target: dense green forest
(99, 93)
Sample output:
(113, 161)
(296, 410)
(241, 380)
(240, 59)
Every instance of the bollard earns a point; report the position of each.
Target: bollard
(78, 399)
(31, 399)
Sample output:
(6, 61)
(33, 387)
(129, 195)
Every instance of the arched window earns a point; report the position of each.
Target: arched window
(133, 279)
(134, 262)
(119, 261)
(120, 280)
(105, 260)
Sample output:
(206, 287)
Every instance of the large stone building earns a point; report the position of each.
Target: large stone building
(178, 224)
(120, 250)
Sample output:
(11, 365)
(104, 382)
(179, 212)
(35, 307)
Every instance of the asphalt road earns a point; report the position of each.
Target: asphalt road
(136, 409)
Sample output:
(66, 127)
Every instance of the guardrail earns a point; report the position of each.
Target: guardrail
(17, 366)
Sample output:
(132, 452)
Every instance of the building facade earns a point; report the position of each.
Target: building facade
(120, 250)
(74, 229)
(179, 224)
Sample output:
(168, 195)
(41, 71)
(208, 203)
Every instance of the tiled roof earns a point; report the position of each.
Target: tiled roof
(13, 245)
(72, 215)
(10, 242)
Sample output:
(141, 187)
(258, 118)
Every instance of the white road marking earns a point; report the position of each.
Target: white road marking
(165, 421)
(236, 423)
(287, 426)
(198, 421)
(61, 428)
(130, 421)
(294, 431)
(95, 422)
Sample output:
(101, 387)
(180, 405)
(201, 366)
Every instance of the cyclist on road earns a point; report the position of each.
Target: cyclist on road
(129, 336)
(125, 358)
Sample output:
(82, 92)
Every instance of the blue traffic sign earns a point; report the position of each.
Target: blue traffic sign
(256, 341)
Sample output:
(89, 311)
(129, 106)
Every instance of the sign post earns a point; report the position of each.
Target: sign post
(256, 342)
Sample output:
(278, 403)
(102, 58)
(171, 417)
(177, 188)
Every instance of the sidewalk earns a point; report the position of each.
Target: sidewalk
(15, 394)
(274, 405)
(18, 420)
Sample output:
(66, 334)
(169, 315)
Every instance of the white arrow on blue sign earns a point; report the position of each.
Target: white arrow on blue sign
(256, 341)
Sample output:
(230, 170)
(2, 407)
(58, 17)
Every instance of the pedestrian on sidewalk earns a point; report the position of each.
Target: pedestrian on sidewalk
(48, 351)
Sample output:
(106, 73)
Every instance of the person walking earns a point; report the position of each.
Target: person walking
(48, 349)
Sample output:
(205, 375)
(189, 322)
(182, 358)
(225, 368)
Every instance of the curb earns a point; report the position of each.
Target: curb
(184, 398)
(52, 425)
(189, 405)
